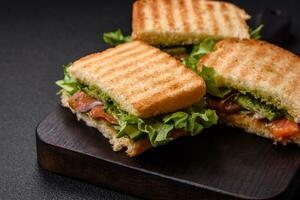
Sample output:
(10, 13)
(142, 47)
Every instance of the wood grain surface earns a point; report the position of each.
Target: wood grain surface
(220, 163)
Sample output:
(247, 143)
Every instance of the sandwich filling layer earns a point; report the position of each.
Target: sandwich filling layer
(95, 104)
(233, 101)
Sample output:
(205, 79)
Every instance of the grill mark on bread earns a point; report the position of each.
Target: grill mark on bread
(177, 17)
(139, 14)
(264, 74)
(212, 61)
(168, 4)
(288, 86)
(196, 9)
(87, 58)
(276, 77)
(141, 17)
(146, 70)
(290, 66)
(116, 60)
(220, 22)
(160, 94)
(164, 24)
(191, 16)
(183, 13)
(135, 15)
(145, 79)
(122, 48)
(137, 68)
(145, 90)
(235, 21)
(237, 53)
(119, 67)
(240, 19)
(214, 23)
(283, 63)
(276, 80)
(227, 19)
(99, 65)
(223, 60)
(206, 18)
(97, 57)
(293, 85)
(155, 14)
(149, 21)
(173, 88)
(145, 75)
(227, 61)
(165, 78)
(121, 54)
(244, 65)
(190, 94)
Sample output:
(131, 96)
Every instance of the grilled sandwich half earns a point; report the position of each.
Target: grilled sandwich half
(184, 22)
(137, 96)
(256, 86)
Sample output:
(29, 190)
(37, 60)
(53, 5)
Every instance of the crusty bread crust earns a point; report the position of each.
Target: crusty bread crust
(255, 126)
(258, 66)
(180, 22)
(143, 80)
(118, 144)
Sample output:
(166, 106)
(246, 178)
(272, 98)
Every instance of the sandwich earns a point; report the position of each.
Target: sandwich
(137, 96)
(186, 22)
(254, 85)
(185, 29)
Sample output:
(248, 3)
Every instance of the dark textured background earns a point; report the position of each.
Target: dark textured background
(35, 40)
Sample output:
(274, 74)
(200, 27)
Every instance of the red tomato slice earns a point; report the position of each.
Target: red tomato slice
(80, 101)
(99, 113)
(283, 128)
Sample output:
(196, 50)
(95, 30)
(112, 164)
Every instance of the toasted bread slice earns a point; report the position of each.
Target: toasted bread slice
(132, 148)
(255, 126)
(181, 22)
(143, 80)
(257, 66)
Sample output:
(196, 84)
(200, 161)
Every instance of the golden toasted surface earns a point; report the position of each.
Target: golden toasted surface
(142, 79)
(261, 67)
(255, 126)
(175, 22)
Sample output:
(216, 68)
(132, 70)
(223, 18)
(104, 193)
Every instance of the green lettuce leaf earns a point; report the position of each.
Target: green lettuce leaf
(209, 75)
(193, 122)
(178, 118)
(115, 38)
(163, 134)
(198, 51)
(256, 33)
(68, 84)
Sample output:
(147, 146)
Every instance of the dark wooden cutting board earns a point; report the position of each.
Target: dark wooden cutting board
(220, 163)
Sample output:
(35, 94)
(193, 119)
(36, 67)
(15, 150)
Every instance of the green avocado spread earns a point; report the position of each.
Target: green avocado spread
(247, 100)
(250, 103)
